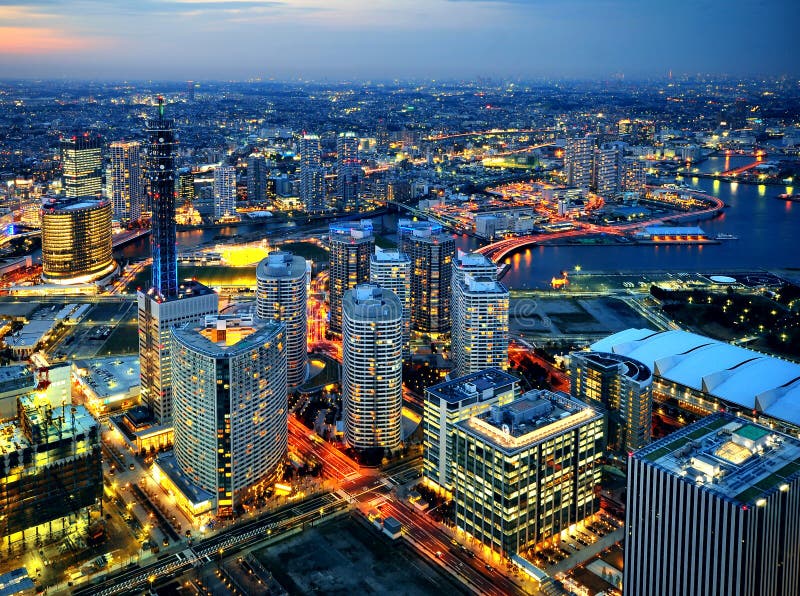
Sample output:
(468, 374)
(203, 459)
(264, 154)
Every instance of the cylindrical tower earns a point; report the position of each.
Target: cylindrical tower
(281, 295)
(372, 367)
(229, 405)
(76, 241)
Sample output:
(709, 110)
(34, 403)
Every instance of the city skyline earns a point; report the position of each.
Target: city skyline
(385, 40)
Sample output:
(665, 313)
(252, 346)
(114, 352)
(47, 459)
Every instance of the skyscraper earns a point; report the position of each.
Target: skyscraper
(480, 339)
(82, 165)
(352, 244)
(230, 410)
(623, 387)
(160, 175)
(372, 367)
(76, 241)
(126, 187)
(524, 471)
(431, 251)
(256, 179)
(578, 160)
(165, 303)
(348, 171)
(281, 295)
(391, 269)
(224, 191)
(312, 175)
(606, 171)
(713, 509)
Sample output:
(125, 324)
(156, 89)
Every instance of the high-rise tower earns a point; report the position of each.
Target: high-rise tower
(224, 191)
(256, 179)
(82, 165)
(578, 160)
(431, 252)
(372, 367)
(281, 296)
(312, 175)
(348, 171)
(391, 269)
(160, 175)
(351, 248)
(126, 187)
(166, 303)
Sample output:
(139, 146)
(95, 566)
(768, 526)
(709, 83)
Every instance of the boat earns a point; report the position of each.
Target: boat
(726, 237)
(787, 197)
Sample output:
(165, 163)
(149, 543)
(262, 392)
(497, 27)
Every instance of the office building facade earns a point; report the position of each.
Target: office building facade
(281, 297)
(713, 509)
(431, 251)
(76, 241)
(351, 248)
(230, 405)
(126, 183)
(526, 471)
(224, 191)
(623, 387)
(372, 367)
(606, 171)
(451, 402)
(82, 166)
(391, 269)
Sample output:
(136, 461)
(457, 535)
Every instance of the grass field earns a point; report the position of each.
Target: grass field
(210, 275)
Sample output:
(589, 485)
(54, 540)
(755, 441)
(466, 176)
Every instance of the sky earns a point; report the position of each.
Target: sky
(391, 39)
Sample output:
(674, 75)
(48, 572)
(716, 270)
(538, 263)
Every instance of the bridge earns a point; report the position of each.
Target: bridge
(497, 251)
(127, 236)
(485, 133)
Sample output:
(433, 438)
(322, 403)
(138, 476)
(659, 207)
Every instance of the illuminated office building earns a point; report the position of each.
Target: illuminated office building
(480, 337)
(451, 402)
(76, 241)
(281, 297)
(230, 405)
(348, 171)
(126, 184)
(713, 509)
(351, 247)
(312, 175)
(623, 387)
(431, 251)
(578, 161)
(391, 269)
(372, 367)
(524, 471)
(224, 191)
(606, 171)
(50, 469)
(82, 166)
(633, 175)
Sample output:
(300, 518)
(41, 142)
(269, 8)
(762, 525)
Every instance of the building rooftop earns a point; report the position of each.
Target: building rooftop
(357, 230)
(186, 289)
(16, 377)
(466, 259)
(281, 264)
(193, 493)
(50, 423)
(633, 368)
(72, 204)
(530, 419)
(384, 255)
(225, 336)
(370, 301)
(731, 457)
(730, 373)
(482, 384)
(483, 285)
(108, 377)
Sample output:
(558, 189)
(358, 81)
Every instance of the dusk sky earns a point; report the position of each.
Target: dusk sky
(385, 39)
